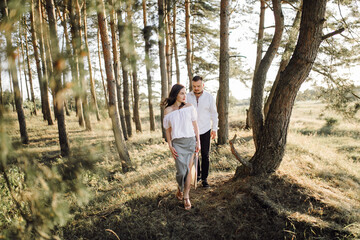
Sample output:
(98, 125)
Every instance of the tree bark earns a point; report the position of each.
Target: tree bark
(223, 97)
(113, 109)
(45, 79)
(188, 43)
(285, 58)
(23, 63)
(164, 81)
(30, 75)
(257, 90)
(125, 74)
(101, 71)
(260, 40)
(168, 45)
(272, 142)
(92, 83)
(147, 34)
(175, 46)
(58, 66)
(12, 67)
(117, 69)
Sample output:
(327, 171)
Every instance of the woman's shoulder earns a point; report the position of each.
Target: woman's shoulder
(188, 105)
(168, 110)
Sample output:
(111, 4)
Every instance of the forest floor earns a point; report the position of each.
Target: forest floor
(315, 194)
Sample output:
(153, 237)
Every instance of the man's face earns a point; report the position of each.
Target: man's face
(198, 86)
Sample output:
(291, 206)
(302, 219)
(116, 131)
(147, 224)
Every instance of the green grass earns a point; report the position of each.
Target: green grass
(315, 194)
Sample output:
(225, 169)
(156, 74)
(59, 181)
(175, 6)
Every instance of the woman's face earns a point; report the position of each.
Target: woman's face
(181, 97)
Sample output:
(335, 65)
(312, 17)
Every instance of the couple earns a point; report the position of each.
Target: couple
(187, 122)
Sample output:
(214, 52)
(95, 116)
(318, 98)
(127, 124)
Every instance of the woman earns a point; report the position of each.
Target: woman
(182, 135)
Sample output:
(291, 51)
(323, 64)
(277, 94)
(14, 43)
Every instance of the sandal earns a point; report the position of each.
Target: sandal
(187, 204)
(179, 195)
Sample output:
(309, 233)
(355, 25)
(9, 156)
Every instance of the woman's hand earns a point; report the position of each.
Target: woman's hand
(173, 152)
(198, 147)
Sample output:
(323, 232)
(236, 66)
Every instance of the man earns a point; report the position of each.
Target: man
(205, 105)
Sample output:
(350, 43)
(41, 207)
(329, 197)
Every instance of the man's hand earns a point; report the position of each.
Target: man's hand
(213, 134)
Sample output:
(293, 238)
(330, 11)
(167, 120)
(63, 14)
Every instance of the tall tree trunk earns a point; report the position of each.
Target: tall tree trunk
(188, 42)
(285, 58)
(260, 40)
(223, 97)
(45, 79)
(58, 66)
(113, 109)
(257, 90)
(101, 71)
(11, 61)
(147, 34)
(49, 65)
(83, 84)
(133, 64)
(168, 44)
(92, 83)
(23, 63)
(11, 90)
(117, 69)
(37, 57)
(30, 75)
(175, 46)
(76, 62)
(272, 141)
(164, 81)
(125, 74)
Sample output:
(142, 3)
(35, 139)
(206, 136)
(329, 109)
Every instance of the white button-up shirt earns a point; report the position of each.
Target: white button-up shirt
(206, 111)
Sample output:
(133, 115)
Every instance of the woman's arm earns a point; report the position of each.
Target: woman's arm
(196, 130)
(168, 139)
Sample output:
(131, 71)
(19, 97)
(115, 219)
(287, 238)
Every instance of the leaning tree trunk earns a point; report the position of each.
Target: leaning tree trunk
(56, 80)
(101, 71)
(188, 43)
(257, 90)
(164, 81)
(272, 141)
(92, 82)
(223, 97)
(117, 69)
(125, 74)
(147, 34)
(133, 64)
(12, 67)
(285, 58)
(113, 109)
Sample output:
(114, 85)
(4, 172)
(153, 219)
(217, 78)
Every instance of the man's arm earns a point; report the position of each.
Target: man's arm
(214, 118)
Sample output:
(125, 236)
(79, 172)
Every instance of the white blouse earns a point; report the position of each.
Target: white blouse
(180, 122)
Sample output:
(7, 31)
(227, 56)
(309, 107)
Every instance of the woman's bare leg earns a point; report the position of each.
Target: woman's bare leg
(187, 184)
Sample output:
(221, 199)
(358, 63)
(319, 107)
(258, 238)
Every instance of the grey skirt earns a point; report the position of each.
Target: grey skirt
(185, 148)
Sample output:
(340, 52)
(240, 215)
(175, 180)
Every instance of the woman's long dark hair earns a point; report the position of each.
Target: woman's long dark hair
(173, 95)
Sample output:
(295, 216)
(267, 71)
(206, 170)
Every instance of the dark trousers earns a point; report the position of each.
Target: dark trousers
(203, 165)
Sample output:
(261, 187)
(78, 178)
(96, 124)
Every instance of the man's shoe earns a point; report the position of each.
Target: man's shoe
(198, 179)
(205, 183)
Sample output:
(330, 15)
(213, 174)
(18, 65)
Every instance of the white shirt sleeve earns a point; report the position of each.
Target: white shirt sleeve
(193, 114)
(166, 122)
(214, 115)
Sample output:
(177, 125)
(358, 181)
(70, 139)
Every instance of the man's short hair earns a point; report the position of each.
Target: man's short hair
(197, 78)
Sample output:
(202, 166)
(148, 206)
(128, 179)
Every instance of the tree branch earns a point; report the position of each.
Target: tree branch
(332, 33)
(237, 155)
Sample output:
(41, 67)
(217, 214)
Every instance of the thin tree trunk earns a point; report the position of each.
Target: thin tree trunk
(285, 58)
(175, 46)
(76, 61)
(20, 69)
(168, 45)
(147, 34)
(11, 91)
(223, 97)
(272, 141)
(188, 42)
(37, 57)
(49, 65)
(56, 76)
(12, 67)
(30, 75)
(133, 64)
(257, 90)
(260, 40)
(44, 82)
(124, 67)
(23, 63)
(113, 109)
(92, 83)
(117, 69)
(101, 71)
